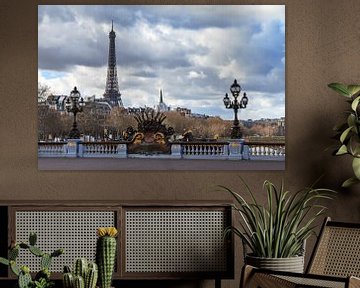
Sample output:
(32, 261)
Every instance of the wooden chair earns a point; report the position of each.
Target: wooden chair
(335, 262)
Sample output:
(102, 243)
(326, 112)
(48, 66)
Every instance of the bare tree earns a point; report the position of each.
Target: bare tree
(43, 92)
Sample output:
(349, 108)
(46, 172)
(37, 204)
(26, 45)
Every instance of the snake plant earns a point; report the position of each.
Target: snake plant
(279, 228)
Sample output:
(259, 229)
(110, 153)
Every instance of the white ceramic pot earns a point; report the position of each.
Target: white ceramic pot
(291, 264)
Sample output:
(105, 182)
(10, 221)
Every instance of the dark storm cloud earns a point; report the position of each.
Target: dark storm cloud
(62, 60)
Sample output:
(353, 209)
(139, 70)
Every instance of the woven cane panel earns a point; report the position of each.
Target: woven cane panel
(312, 282)
(175, 241)
(339, 253)
(74, 231)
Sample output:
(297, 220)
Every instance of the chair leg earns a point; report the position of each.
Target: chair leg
(246, 274)
(217, 283)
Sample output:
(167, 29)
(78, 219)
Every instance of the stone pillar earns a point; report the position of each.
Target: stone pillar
(176, 150)
(246, 152)
(235, 149)
(73, 148)
(121, 150)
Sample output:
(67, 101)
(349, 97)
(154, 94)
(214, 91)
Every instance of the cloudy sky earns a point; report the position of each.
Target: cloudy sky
(193, 53)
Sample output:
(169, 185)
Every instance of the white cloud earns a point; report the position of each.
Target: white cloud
(193, 53)
(196, 75)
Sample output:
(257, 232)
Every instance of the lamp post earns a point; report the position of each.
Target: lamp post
(74, 104)
(235, 90)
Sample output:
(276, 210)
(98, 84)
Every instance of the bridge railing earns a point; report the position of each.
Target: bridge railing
(204, 150)
(109, 149)
(234, 149)
(264, 151)
(52, 149)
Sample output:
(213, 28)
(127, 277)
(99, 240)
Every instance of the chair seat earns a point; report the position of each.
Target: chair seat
(315, 281)
(267, 279)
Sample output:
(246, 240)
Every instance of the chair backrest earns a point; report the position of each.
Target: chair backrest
(337, 251)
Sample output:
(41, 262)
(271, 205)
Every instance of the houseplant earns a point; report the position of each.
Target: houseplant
(84, 274)
(106, 254)
(42, 278)
(275, 233)
(349, 131)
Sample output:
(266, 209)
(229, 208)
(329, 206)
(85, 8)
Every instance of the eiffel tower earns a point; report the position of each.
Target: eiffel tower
(112, 94)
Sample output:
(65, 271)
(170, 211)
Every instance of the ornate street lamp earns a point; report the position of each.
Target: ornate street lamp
(235, 89)
(74, 104)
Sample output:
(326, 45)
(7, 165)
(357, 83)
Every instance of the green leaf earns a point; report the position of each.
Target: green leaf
(345, 134)
(353, 89)
(354, 145)
(340, 88)
(355, 103)
(342, 150)
(351, 120)
(356, 167)
(349, 182)
(4, 261)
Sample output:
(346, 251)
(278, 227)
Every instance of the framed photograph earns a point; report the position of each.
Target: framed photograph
(161, 87)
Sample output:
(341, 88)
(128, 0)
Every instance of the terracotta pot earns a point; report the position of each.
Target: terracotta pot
(291, 264)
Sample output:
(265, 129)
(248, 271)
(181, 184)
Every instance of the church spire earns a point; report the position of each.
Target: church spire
(112, 25)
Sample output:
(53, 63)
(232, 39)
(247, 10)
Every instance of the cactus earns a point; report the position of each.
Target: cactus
(24, 280)
(88, 273)
(45, 261)
(57, 253)
(32, 238)
(79, 282)
(14, 268)
(42, 278)
(4, 261)
(91, 276)
(80, 267)
(106, 254)
(68, 280)
(13, 253)
(36, 251)
(44, 273)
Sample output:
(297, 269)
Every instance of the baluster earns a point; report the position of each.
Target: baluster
(262, 150)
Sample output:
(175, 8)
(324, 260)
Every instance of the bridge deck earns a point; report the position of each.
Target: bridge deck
(156, 164)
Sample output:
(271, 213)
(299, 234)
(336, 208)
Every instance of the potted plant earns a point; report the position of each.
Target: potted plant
(349, 132)
(276, 233)
(42, 278)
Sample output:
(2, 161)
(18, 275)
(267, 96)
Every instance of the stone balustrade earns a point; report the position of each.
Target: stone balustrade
(264, 151)
(103, 149)
(232, 150)
(204, 150)
(52, 149)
